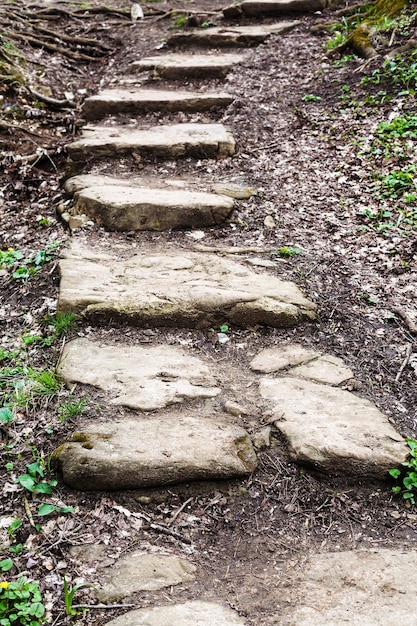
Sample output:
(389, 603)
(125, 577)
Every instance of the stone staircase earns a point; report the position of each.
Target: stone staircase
(174, 416)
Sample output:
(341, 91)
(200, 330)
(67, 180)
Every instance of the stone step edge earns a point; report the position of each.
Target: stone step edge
(111, 101)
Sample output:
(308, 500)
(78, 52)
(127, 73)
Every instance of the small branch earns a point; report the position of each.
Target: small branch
(405, 362)
(351, 9)
(7, 126)
(411, 324)
(103, 606)
(82, 41)
(410, 45)
(167, 531)
(59, 104)
(178, 511)
(39, 43)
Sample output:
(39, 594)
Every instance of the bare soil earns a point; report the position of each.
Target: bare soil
(249, 538)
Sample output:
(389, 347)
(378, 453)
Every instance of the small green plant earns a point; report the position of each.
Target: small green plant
(29, 385)
(47, 509)
(399, 182)
(408, 476)
(6, 415)
(13, 527)
(401, 72)
(45, 222)
(311, 98)
(71, 408)
(63, 323)
(69, 597)
(368, 298)
(288, 251)
(10, 256)
(223, 328)
(34, 481)
(21, 603)
(179, 22)
(6, 565)
(31, 265)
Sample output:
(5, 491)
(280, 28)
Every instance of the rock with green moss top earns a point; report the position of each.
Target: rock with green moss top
(154, 451)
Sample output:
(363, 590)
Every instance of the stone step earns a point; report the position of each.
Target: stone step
(179, 66)
(141, 378)
(347, 435)
(191, 613)
(132, 101)
(125, 208)
(173, 287)
(230, 35)
(154, 451)
(114, 576)
(212, 141)
(137, 571)
(273, 7)
(369, 587)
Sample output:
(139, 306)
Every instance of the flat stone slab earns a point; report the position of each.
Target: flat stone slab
(177, 288)
(163, 141)
(274, 7)
(84, 181)
(282, 357)
(142, 572)
(134, 101)
(333, 430)
(126, 208)
(303, 363)
(179, 66)
(367, 587)
(153, 452)
(192, 613)
(326, 369)
(230, 36)
(143, 378)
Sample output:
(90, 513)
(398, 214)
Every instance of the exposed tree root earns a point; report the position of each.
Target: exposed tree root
(23, 25)
(360, 40)
(53, 102)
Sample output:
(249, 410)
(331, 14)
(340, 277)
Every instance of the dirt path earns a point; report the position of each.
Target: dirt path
(252, 547)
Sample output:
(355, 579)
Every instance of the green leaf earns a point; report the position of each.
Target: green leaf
(67, 509)
(42, 488)
(37, 609)
(46, 509)
(6, 565)
(395, 473)
(26, 481)
(396, 489)
(6, 415)
(35, 468)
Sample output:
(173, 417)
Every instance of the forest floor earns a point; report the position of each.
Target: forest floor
(343, 201)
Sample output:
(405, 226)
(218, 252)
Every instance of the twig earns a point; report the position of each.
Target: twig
(167, 531)
(232, 249)
(7, 126)
(28, 512)
(59, 104)
(405, 362)
(34, 41)
(411, 325)
(103, 606)
(178, 511)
